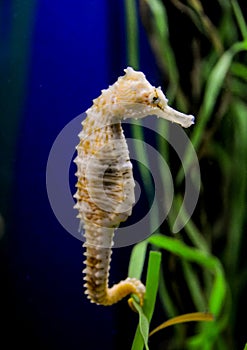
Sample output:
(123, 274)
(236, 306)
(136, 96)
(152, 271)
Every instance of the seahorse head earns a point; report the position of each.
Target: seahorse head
(137, 98)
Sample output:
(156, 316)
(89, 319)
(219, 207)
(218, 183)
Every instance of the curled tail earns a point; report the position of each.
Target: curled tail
(98, 256)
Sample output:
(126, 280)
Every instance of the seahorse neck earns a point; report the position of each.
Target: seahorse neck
(99, 118)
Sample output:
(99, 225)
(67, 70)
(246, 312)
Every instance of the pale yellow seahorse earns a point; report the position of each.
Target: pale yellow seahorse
(105, 187)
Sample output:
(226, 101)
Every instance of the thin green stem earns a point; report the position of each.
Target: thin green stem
(132, 42)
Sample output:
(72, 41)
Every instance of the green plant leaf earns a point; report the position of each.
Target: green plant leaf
(208, 333)
(152, 283)
(143, 327)
(132, 34)
(239, 70)
(137, 260)
(202, 258)
(213, 87)
(194, 286)
(240, 18)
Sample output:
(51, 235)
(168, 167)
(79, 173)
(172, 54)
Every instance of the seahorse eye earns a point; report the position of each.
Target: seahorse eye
(156, 99)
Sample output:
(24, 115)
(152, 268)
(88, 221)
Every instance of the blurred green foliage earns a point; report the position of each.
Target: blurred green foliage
(200, 51)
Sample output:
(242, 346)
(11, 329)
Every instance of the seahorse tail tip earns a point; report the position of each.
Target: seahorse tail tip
(125, 288)
(131, 304)
(139, 291)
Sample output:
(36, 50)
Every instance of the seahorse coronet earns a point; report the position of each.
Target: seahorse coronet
(105, 186)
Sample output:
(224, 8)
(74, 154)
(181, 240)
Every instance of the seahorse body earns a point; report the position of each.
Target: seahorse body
(105, 187)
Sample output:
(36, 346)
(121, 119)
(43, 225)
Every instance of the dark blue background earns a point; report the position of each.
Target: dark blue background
(56, 56)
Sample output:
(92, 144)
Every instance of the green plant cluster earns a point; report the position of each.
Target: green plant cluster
(210, 248)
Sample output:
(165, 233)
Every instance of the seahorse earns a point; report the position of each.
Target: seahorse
(105, 186)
